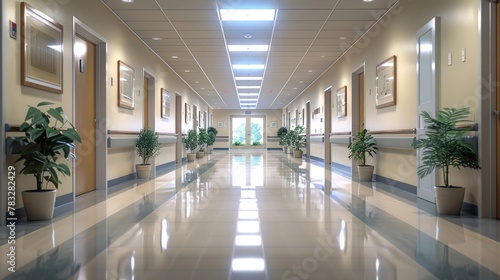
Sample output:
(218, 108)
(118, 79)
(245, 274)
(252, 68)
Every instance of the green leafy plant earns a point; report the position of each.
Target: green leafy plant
(282, 131)
(47, 135)
(202, 138)
(191, 140)
(147, 145)
(213, 130)
(361, 146)
(238, 143)
(210, 138)
(256, 143)
(443, 147)
(296, 138)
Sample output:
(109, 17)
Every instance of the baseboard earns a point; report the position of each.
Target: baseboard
(221, 149)
(122, 179)
(275, 149)
(317, 158)
(166, 167)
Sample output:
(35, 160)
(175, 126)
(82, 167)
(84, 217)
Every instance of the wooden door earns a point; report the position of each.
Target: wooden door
(361, 94)
(85, 115)
(146, 108)
(498, 114)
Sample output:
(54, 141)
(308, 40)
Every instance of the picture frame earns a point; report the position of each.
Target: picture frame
(341, 102)
(165, 104)
(386, 83)
(41, 51)
(274, 124)
(220, 124)
(187, 113)
(126, 85)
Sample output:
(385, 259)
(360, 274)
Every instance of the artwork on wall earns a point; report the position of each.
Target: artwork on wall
(41, 50)
(386, 83)
(341, 102)
(220, 124)
(187, 113)
(165, 104)
(303, 117)
(274, 124)
(126, 80)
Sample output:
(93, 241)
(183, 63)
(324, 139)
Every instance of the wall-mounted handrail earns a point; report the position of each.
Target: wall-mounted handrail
(394, 131)
(126, 132)
(339, 133)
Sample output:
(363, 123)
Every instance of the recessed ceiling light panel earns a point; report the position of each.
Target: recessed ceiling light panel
(247, 14)
(248, 48)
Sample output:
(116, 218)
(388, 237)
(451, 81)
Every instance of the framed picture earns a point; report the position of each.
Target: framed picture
(341, 102)
(274, 124)
(386, 83)
(126, 81)
(165, 104)
(187, 113)
(41, 50)
(220, 124)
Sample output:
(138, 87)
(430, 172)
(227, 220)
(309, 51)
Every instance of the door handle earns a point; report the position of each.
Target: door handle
(496, 113)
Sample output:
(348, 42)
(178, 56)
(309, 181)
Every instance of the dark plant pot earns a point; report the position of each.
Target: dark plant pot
(39, 205)
(449, 200)
(143, 171)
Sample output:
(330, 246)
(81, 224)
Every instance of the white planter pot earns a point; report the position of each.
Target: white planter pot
(365, 172)
(449, 200)
(191, 156)
(143, 171)
(200, 154)
(297, 153)
(39, 205)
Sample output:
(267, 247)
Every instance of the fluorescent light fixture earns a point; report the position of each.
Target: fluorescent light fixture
(248, 100)
(248, 227)
(248, 78)
(248, 215)
(248, 264)
(248, 48)
(248, 87)
(248, 95)
(248, 240)
(247, 14)
(248, 66)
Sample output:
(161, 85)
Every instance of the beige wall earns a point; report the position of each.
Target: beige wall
(395, 34)
(123, 45)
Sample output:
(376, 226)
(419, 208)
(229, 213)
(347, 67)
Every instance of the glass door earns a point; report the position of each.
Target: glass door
(247, 132)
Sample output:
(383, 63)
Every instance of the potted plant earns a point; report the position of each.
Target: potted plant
(202, 140)
(210, 140)
(191, 142)
(147, 147)
(282, 131)
(214, 131)
(361, 146)
(442, 148)
(297, 140)
(48, 135)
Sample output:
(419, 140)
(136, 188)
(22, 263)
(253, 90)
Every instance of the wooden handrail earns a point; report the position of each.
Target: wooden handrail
(340, 133)
(12, 128)
(128, 132)
(394, 131)
(166, 133)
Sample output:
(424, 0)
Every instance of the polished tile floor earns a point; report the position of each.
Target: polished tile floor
(253, 215)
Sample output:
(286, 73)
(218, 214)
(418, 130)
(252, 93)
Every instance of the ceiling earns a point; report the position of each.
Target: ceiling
(305, 39)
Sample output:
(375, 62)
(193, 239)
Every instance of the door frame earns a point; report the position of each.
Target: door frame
(3, 155)
(101, 102)
(355, 107)
(178, 127)
(151, 109)
(248, 144)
